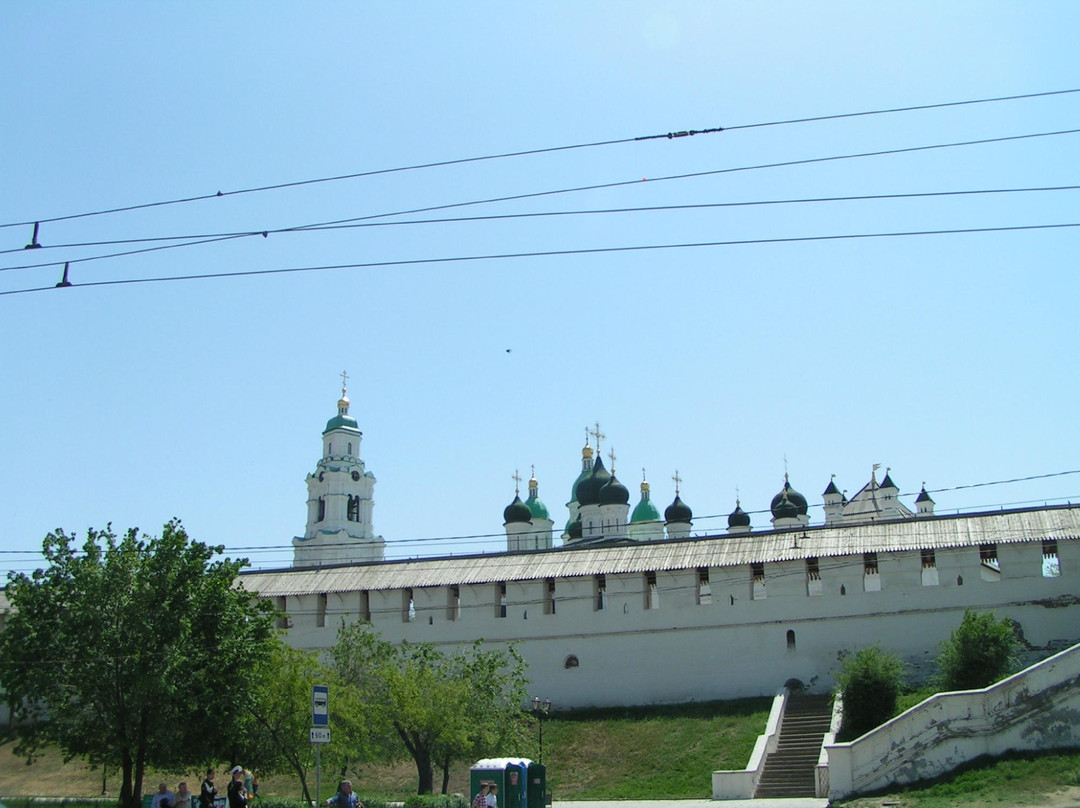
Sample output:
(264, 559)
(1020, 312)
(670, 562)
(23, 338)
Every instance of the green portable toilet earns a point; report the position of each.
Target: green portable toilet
(509, 774)
(536, 785)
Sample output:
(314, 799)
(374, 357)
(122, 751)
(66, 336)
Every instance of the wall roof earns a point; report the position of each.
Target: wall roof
(968, 530)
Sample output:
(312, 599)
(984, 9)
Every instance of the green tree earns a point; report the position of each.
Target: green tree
(437, 708)
(978, 653)
(276, 727)
(869, 683)
(131, 651)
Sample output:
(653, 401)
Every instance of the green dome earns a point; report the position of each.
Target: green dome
(645, 511)
(537, 508)
(341, 422)
(573, 530)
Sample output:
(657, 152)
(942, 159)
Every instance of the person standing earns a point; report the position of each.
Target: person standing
(480, 800)
(208, 791)
(493, 796)
(163, 798)
(345, 798)
(183, 796)
(237, 795)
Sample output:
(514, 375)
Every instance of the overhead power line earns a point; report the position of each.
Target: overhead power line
(203, 238)
(560, 191)
(545, 253)
(528, 152)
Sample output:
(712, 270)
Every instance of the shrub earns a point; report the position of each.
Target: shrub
(435, 801)
(869, 684)
(978, 653)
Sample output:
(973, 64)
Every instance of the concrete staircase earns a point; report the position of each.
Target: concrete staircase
(790, 770)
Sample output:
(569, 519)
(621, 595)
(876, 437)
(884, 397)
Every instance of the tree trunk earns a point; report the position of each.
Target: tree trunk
(127, 787)
(424, 770)
(445, 773)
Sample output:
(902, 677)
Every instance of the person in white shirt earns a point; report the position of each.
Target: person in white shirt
(493, 796)
(163, 799)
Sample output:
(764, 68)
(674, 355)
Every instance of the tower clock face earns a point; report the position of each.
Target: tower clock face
(356, 475)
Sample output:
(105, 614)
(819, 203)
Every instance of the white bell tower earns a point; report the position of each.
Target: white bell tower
(339, 523)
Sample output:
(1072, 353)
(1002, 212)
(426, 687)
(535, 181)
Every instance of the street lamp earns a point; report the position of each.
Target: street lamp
(541, 708)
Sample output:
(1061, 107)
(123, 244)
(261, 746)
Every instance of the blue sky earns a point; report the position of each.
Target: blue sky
(949, 358)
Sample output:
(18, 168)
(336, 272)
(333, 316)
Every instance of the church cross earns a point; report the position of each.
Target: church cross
(611, 454)
(596, 433)
(677, 480)
(344, 382)
(517, 482)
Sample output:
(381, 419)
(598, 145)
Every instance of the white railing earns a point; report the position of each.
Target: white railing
(739, 784)
(1033, 709)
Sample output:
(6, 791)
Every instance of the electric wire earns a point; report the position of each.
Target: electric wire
(595, 187)
(207, 237)
(529, 152)
(545, 254)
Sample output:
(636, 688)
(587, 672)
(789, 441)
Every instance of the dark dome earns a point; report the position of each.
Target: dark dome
(517, 511)
(588, 490)
(573, 530)
(793, 496)
(738, 517)
(614, 493)
(678, 511)
(785, 508)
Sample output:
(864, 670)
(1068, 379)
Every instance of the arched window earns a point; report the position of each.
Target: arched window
(571, 662)
(791, 640)
(354, 509)
(322, 509)
(350, 447)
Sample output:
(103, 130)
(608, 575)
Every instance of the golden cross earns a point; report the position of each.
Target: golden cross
(599, 436)
(344, 382)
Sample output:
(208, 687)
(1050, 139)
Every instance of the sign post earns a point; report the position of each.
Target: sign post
(320, 729)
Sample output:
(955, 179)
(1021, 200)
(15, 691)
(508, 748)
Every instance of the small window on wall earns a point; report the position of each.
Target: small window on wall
(757, 581)
(600, 593)
(571, 662)
(365, 607)
(1051, 564)
(813, 578)
(989, 566)
(704, 589)
(791, 641)
(500, 599)
(453, 603)
(408, 606)
(549, 596)
(871, 578)
(929, 568)
(652, 595)
(282, 604)
(322, 509)
(320, 610)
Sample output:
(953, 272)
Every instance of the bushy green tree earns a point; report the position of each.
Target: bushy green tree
(132, 652)
(978, 653)
(869, 683)
(435, 707)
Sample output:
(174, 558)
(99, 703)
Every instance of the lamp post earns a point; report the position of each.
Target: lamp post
(541, 708)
